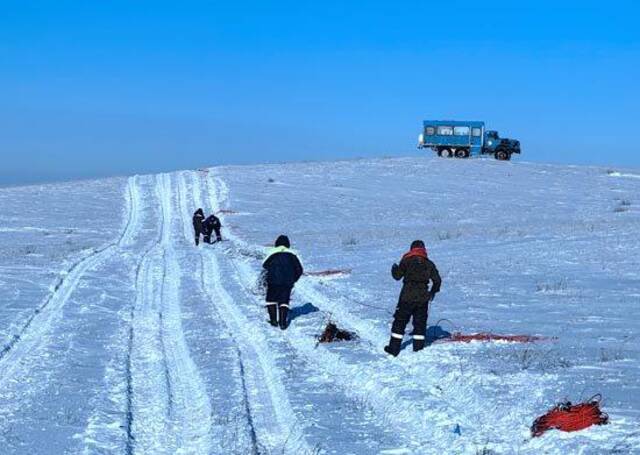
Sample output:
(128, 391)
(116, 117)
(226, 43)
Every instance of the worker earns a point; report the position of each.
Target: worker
(417, 271)
(198, 219)
(282, 270)
(212, 225)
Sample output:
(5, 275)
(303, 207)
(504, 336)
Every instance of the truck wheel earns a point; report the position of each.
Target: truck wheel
(445, 153)
(502, 155)
(462, 153)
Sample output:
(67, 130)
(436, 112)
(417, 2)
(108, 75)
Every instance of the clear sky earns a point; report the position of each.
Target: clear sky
(93, 88)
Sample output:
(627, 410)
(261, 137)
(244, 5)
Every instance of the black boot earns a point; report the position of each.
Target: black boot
(273, 315)
(284, 311)
(418, 345)
(394, 346)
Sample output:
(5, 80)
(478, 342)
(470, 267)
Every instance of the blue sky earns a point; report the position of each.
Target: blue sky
(103, 88)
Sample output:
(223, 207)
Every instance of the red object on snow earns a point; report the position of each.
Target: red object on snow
(570, 417)
(329, 272)
(487, 336)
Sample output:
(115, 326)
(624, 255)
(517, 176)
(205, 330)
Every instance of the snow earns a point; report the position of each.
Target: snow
(120, 336)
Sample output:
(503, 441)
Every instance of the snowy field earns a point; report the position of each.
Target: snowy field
(119, 336)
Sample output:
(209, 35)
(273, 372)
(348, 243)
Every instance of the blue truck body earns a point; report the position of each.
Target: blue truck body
(462, 139)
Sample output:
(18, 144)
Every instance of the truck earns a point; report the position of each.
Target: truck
(460, 139)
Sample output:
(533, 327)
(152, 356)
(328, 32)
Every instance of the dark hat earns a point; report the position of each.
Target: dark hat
(200, 212)
(417, 244)
(283, 240)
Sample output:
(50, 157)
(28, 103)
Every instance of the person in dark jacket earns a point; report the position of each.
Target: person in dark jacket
(198, 219)
(212, 224)
(282, 270)
(417, 271)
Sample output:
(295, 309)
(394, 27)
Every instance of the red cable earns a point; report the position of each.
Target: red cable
(486, 336)
(568, 417)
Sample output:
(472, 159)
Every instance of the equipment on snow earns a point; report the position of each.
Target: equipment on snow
(332, 333)
(570, 417)
(329, 272)
(488, 336)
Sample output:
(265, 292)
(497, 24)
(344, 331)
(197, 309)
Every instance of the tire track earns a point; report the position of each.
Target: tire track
(274, 426)
(30, 336)
(169, 409)
(191, 408)
(244, 434)
(104, 427)
(255, 448)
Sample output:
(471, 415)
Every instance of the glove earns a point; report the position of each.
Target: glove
(394, 267)
(432, 295)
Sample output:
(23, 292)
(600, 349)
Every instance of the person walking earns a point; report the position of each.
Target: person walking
(198, 219)
(417, 271)
(282, 270)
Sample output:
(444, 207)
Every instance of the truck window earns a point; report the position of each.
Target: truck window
(445, 131)
(461, 131)
(476, 132)
(430, 131)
